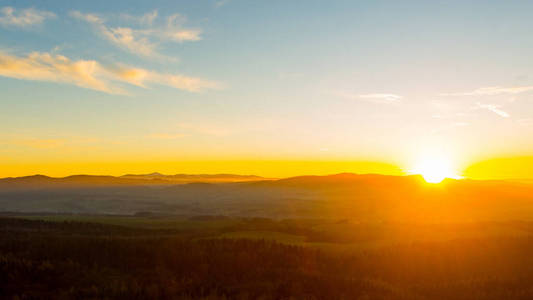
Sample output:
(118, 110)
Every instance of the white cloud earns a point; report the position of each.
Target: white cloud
(55, 68)
(220, 3)
(494, 90)
(10, 16)
(146, 19)
(495, 109)
(145, 39)
(129, 39)
(182, 35)
(141, 77)
(383, 98)
(175, 30)
(93, 75)
(124, 37)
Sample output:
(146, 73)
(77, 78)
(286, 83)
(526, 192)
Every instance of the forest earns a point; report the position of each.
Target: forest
(71, 258)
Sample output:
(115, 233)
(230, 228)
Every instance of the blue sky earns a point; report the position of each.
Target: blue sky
(340, 80)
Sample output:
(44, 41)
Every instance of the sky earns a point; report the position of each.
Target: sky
(273, 88)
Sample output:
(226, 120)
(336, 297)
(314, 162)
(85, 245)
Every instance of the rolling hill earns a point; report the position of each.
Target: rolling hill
(368, 197)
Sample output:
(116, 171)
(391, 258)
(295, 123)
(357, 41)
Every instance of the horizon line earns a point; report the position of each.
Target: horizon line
(461, 178)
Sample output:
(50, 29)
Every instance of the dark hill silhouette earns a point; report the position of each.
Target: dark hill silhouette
(188, 178)
(363, 197)
(73, 181)
(347, 180)
(41, 181)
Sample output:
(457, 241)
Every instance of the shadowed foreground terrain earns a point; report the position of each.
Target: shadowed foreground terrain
(198, 259)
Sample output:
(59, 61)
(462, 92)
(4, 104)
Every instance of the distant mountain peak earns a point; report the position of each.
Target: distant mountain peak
(155, 174)
(154, 179)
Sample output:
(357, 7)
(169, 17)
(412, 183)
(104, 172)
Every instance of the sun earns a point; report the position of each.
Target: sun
(434, 168)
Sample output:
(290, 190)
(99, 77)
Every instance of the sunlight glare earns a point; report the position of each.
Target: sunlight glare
(434, 168)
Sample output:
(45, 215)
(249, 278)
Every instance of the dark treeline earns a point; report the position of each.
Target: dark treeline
(81, 260)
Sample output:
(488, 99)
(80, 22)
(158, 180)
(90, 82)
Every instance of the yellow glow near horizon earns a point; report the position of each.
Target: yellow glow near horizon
(435, 168)
(266, 168)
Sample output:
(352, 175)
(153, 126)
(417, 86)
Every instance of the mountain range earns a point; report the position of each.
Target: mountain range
(367, 197)
(42, 181)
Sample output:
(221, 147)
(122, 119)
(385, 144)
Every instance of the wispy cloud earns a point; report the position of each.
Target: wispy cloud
(91, 74)
(124, 37)
(382, 98)
(142, 78)
(220, 3)
(494, 90)
(175, 30)
(146, 19)
(145, 39)
(56, 68)
(494, 108)
(10, 16)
